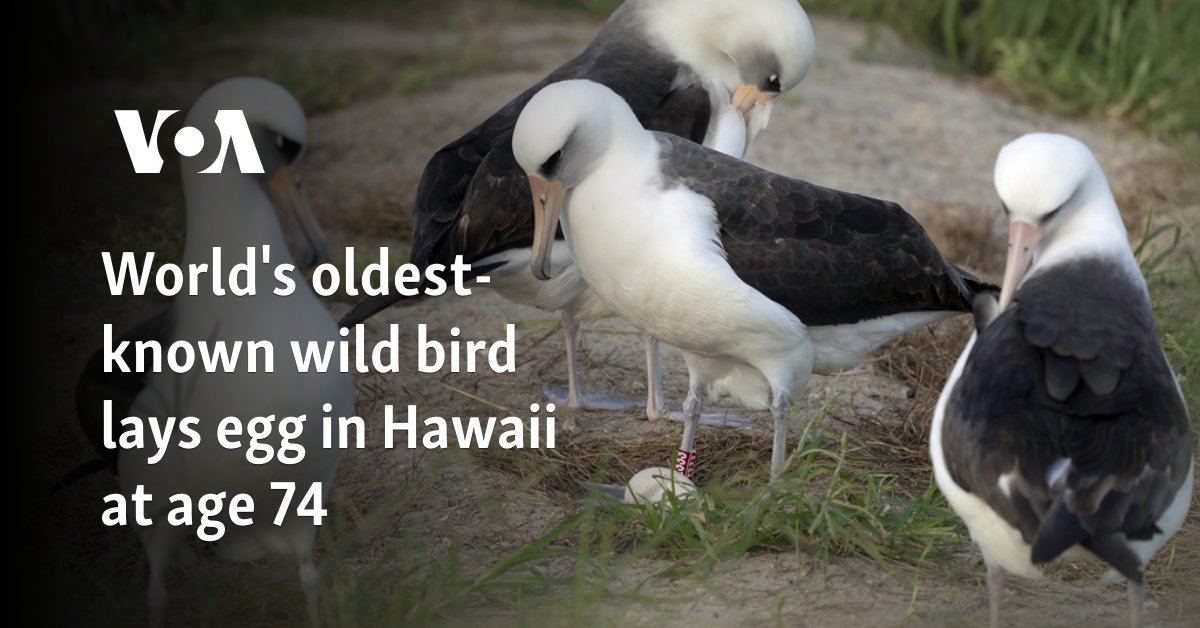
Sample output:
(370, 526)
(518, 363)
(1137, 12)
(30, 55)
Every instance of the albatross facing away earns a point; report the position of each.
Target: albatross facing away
(759, 279)
(233, 211)
(707, 70)
(1062, 424)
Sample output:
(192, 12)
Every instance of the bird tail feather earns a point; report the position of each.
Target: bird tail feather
(1060, 531)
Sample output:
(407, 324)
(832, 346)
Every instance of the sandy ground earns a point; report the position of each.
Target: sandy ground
(874, 117)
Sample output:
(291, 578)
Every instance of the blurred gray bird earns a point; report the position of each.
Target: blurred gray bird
(233, 211)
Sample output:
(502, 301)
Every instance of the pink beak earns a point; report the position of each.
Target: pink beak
(1023, 240)
(548, 197)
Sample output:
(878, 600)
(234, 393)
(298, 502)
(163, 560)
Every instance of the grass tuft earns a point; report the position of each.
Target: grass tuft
(1118, 59)
(333, 80)
(834, 499)
(1173, 275)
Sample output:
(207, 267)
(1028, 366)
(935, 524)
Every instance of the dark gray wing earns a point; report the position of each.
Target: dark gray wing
(477, 174)
(95, 386)
(684, 112)
(473, 200)
(495, 212)
(830, 257)
(1073, 370)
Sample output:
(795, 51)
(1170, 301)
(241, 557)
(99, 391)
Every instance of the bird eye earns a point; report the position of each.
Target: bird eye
(288, 148)
(1050, 216)
(551, 164)
(773, 83)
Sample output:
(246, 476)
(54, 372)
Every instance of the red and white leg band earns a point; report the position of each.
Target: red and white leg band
(685, 462)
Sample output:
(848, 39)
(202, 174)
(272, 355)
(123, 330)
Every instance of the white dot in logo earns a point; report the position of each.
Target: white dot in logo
(188, 141)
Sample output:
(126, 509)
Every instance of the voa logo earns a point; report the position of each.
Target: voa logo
(189, 141)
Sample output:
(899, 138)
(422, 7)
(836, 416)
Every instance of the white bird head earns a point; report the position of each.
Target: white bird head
(1051, 186)
(277, 124)
(560, 137)
(755, 49)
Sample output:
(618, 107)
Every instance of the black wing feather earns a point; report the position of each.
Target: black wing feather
(476, 179)
(1072, 370)
(830, 257)
(684, 112)
(473, 200)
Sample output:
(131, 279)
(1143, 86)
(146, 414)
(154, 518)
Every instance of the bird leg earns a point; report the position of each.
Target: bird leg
(156, 599)
(571, 336)
(655, 410)
(161, 542)
(995, 585)
(685, 459)
(575, 398)
(308, 583)
(779, 412)
(1137, 602)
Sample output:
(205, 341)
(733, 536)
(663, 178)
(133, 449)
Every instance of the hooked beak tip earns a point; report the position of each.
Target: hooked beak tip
(547, 203)
(747, 97)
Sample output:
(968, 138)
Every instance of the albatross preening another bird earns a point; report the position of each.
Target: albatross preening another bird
(759, 279)
(1062, 424)
(707, 70)
(232, 211)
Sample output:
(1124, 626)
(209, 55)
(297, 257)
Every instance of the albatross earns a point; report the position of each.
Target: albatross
(232, 211)
(757, 278)
(707, 70)
(1062, 425)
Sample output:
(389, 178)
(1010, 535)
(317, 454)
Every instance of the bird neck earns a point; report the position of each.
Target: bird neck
(1092, 230)
(613, 184)
(630, 151)
(231, 211)
(607, 132)
(697, 33)
(630, 140)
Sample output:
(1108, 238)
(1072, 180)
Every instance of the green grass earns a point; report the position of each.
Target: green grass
(379, 569)
(1174, 281)
(1131, 60)
(404, 585)
(830, 502)
(328, 81)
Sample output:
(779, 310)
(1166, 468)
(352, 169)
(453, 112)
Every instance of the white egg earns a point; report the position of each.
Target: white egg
(648, 486)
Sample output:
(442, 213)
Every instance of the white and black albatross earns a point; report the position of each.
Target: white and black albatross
(759, 279)
(233, 211)
(707, 70)
(1062, 425)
